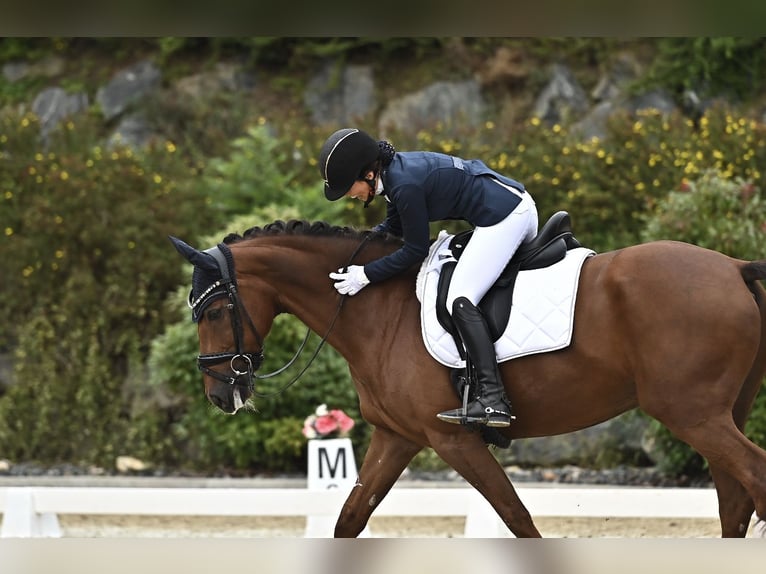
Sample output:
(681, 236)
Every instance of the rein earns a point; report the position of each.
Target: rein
(251, 362)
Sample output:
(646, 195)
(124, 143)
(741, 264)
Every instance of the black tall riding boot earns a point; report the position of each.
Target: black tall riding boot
(491, 407)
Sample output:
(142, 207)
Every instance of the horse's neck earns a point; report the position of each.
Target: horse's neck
(298, 273)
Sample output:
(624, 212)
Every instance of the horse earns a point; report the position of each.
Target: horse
(674, 329)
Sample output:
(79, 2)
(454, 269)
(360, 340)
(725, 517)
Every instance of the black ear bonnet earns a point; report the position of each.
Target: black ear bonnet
(209, 282)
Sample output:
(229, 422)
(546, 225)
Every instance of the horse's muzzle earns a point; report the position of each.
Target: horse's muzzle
(227, 398)
(235, 384)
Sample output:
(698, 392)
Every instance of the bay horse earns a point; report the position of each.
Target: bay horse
(674, 329)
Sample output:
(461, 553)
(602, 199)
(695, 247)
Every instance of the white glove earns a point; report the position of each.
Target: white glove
(350, 282)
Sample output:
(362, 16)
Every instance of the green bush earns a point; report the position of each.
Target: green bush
(253, 174)
(609, 184)
(716, 212)
(726, 214)
(712, 66)
(87, 271)
(84, 254)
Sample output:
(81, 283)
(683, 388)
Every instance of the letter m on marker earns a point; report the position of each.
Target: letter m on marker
(324, 458)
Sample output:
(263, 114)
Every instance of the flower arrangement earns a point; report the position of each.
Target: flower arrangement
(327, 423)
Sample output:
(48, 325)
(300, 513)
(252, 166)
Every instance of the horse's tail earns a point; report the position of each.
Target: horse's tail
(753, 271)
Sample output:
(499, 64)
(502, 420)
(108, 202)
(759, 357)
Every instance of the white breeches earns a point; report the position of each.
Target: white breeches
(489, 251)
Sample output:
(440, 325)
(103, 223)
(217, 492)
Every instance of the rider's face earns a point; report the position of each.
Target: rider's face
(361, 189)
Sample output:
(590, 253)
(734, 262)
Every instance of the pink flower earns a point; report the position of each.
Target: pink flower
(345, 422)
(325, 424)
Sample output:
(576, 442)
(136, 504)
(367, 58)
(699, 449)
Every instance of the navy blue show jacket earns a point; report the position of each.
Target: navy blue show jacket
(422, 187)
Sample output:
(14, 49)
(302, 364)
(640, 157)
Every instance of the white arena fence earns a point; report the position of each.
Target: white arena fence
(33, 511)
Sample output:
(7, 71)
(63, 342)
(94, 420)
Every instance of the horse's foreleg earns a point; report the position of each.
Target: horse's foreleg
(468, 455)
(385, 459)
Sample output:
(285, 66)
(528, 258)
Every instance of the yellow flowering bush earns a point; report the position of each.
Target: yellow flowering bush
(609, 184)
(86, 269)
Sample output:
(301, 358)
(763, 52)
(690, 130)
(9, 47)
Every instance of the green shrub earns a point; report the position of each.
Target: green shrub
(712, 66)
(84, 253)
(609, 184)
(87, 270)
(715, 211)
(252, 174)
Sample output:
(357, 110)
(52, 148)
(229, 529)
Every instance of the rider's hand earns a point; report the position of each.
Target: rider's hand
(351, 281)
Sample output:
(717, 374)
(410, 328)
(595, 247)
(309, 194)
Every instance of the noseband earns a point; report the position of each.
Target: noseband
(242, 364)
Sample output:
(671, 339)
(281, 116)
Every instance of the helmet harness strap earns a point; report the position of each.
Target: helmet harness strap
(373, 191)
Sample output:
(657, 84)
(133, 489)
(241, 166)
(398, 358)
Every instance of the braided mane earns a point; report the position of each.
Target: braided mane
(308, 228)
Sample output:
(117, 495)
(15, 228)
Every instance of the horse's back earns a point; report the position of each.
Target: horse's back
(658, 283)
(650, 321)
(675, 272)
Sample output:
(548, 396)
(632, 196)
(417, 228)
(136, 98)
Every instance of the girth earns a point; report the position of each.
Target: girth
(549, 246)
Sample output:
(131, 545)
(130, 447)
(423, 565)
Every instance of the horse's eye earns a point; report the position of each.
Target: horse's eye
(214, 314)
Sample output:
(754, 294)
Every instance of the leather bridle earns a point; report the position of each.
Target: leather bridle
(242, 363)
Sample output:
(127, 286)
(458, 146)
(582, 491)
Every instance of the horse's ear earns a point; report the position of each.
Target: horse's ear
(193, 256)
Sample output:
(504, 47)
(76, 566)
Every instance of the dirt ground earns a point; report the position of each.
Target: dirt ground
(83, 526)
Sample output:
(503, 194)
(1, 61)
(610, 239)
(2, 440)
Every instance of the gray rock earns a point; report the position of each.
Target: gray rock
(612, 85)
(126, 87)
(47, 67)
(224, 77)
(563, 99)
(15, 71)
(341, 95)
(441, 103)
(133, 131)
(593, 125)
(659, 100)
(54, 105)
(615, 440)
(595, 121)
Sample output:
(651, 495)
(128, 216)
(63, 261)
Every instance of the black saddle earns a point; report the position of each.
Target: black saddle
(549, 246)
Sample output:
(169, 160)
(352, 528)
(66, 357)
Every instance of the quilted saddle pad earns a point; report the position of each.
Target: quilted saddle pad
(542, 314)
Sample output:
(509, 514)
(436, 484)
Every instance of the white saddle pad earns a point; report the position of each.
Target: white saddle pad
(542, 314)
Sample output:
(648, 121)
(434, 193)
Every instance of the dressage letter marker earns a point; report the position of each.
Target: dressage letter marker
(329, 469)
(331, 466)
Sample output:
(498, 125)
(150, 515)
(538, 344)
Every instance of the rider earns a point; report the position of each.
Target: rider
(420, 187)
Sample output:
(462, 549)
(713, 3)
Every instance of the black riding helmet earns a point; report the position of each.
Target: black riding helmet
(343, 157)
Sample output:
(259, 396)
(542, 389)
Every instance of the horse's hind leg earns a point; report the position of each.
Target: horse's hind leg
(386, 457)
(725, 447)
(466, 452)
(735, 506)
